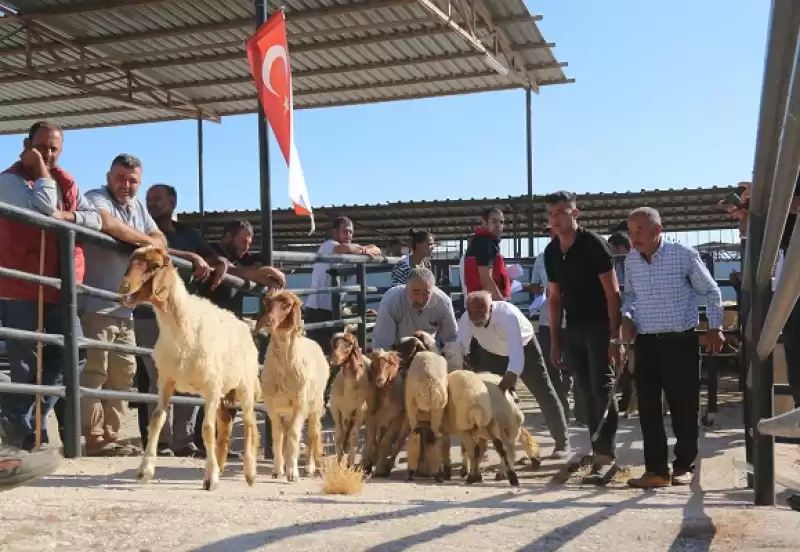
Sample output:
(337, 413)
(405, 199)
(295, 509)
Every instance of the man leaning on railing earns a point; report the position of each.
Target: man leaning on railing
(38, 183)
(125, 218)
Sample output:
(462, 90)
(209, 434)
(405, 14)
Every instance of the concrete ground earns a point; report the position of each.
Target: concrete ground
(97, 504)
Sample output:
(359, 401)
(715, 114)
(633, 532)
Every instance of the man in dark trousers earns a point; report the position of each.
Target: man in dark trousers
(582, 282)
(621, 246)
(662, 282)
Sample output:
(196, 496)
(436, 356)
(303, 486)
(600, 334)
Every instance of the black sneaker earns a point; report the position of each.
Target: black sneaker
(18, 467)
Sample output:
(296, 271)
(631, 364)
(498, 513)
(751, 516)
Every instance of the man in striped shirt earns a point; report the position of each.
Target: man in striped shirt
(662, 282)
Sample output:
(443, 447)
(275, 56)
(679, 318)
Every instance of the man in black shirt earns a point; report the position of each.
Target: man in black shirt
(582, 282)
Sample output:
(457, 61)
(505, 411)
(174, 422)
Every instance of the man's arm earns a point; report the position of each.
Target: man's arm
(85, 214)
(464, 336)
(554, 309)
(115, 227)
(704, 284)
(516, 354)
(628, 294)
(355, 249)
(42, 198)
(602, 263)
(539, 276)
(449, 326)
(384, 334)
(484, 258)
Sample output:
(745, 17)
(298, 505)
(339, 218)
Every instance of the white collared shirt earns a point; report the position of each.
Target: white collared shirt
(506, 334)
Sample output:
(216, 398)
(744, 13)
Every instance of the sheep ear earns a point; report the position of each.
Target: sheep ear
(161, 284)
(297, 313)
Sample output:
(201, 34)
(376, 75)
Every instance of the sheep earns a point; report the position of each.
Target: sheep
(469, 414)
(348, 394)
(201, 349)
(409, 346)
(425, 400)
(509, 418)
(386, 423)
(292, 384)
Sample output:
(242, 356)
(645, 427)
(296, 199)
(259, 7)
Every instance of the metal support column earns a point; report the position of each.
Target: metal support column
(529, 154)
(70, 353)
(200, 177)
(263, 158)
(361, 277)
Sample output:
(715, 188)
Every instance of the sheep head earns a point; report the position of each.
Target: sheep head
(385, 365)
(345, 352)
(281, 313)
(410, 346)
(149, 278)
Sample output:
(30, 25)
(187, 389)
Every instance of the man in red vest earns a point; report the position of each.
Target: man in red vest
(484, 267)
(36, 182)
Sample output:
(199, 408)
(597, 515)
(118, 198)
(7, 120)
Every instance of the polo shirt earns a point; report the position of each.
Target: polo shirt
(577, 272)
(106, 267)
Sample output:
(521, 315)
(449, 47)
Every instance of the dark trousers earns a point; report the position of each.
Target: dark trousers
(20, 409)
(668, 363)
(322, 336)
(534, 376)
(791, 345)
(562, 378)
(586, 353)
(142, 382)
(626, 387)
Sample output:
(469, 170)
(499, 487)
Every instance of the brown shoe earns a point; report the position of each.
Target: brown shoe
(682, 478)
(649, 481)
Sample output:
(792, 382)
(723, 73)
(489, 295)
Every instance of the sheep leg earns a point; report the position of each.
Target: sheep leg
(391, 443)
(276, 421)
(437, 452)
(370, 446)
(413, 452)
(250, 440)
(472, 448)
(447, 466)
(211, 479)
(293, 432)
(437, 414)
(464, 460)
(353, 444)
(224, 430)
(502, 449)
(147, 468)
(314, 460)
(339, 436)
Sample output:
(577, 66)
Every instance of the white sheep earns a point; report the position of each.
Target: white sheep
(425, 400)
(386, 424)
(509, 418)
(348, 394)
(292, 384)
(469, 414)
(201, 349)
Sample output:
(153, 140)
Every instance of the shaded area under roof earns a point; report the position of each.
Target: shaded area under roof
(97, 63)
(681, 210)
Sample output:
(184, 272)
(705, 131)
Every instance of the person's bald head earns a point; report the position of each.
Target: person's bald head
(644, 229)
(479, 306)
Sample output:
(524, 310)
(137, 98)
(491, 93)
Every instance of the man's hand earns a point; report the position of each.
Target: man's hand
(508, 381)
(555, 353)
(34, 163)
(271, 278)
(218, 273)
(628, 329)
(615, 356)
(201, 268)
(714, 339)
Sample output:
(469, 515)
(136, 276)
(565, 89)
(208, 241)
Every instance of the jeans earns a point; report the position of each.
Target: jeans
(20, 410)
(668, 363)
(586, 353)
(534, 376)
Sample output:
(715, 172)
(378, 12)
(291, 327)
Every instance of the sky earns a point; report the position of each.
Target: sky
(667, 96)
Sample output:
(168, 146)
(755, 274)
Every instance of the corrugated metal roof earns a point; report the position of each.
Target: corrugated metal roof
(681, 210)
(118, 62)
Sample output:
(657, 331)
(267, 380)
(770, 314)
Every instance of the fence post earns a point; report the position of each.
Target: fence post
(70, 352)
(361, 277)
(336, 297)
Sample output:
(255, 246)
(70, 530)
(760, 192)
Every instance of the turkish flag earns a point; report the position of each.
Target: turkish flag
(268, 54)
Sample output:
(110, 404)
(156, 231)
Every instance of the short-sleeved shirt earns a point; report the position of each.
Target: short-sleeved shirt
(577, 272)
(224, 296)
(403, 269)
(181, 238)
(105, 267)
(321, 278)
(791, 219)
(484, 251)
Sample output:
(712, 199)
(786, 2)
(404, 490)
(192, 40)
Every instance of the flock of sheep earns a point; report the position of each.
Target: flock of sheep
(412, 395)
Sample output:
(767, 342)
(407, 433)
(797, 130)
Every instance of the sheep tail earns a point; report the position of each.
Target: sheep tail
(479, 416)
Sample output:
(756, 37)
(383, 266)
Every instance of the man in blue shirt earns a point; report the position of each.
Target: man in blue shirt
(662, 282)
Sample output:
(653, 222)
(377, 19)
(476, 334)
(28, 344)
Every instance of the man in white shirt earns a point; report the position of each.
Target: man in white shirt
(509, 347)
(319, 306)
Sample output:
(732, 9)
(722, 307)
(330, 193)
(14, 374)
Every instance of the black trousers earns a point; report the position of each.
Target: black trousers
(668, 363)
(586, 353)
(791, 345)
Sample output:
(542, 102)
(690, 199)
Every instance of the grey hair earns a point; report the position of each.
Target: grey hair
(647, 212)
(421, 273)
(481, 295)
(127, 161)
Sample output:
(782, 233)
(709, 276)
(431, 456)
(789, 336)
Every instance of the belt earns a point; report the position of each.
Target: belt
(659, 335)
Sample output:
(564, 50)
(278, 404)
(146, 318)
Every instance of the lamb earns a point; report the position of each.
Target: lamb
(348, 394)
(470, 415)
(509, 419)
(292, 384)
(201, 349)
(425, 400)
(386, 423)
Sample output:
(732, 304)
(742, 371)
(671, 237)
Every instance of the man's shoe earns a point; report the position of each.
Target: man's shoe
(604, 468)
(683, 477)
(649, 481)
(18, 467)
(562, 453)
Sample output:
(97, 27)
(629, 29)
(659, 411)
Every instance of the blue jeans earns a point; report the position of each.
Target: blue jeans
(20, 410)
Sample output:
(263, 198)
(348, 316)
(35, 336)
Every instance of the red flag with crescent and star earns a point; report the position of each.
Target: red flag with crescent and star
(268, 54)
